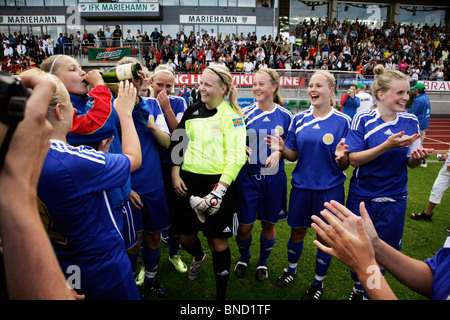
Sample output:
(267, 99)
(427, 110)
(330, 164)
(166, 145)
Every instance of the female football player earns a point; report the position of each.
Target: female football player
(207, 161)
(383, 143)
(262, 182)
(316, 141)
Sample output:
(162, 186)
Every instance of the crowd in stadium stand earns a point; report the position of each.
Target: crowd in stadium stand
(419, 51)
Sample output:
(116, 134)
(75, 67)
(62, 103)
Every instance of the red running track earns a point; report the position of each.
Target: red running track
(437, 135)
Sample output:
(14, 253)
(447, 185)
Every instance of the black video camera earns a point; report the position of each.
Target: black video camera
(13, 98)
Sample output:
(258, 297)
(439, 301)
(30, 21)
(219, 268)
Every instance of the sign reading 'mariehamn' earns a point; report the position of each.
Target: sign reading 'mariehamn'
(217, 19)
(33, 19)
(118, 7)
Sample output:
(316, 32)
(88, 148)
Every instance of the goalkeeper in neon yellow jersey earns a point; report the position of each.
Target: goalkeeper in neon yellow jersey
(208, 153)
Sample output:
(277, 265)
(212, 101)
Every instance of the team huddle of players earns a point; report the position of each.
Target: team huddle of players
(126, 163)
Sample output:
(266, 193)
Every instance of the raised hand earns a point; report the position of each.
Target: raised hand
(341, 150)
(126, 97)
(276, 143)
(398, 140)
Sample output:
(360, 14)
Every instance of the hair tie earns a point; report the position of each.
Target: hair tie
(53, 64)
(162, 70)
(221, 78)
(328, 78)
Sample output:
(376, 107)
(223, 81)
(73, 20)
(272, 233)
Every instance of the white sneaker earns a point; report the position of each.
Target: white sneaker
(194, 270)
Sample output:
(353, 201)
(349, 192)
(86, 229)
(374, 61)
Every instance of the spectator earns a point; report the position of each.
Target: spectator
(155, 35)
(108, 37)
(8, 51)
(129, 38)
(101, 38)
(21, 49)
(366, 100)
(403, 66)
(185, 93)
(195, 94)
(440, 185)
(249, 67)
(61, 43)
(350, 102)
(422, 109)
(139, 37)
(239, 67)
(117, 36)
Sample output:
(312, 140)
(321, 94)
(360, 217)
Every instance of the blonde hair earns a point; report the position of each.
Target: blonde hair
(162, 68)
(61, 94)
(49, 65)
(274, 80)
(384, 78)
(224, 74)
(331, 84)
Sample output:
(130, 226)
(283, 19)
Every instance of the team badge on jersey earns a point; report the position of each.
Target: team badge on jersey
(328, 138)
(279, 130)
(238, 122)
(151, 119)
(215, 130)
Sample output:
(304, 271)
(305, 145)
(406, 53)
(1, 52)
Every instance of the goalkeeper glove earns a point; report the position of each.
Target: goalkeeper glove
(211, 202)
(194, 202)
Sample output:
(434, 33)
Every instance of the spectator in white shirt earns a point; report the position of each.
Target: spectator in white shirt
(50, 45)
(212, 35)
(21, 48)
(8, 51)
(249, 67)
(108, 36)
(366, 100)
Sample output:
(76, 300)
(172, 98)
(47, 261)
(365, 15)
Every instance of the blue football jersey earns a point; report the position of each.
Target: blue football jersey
(101, 131)
(149, 176)
(316, 139)
(440, 266)
(75, 210)
(387, 175)
(178, 106)
(259, 125)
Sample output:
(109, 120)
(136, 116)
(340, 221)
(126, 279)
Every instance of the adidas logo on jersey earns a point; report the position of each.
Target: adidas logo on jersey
(266, 119)
(316, 126)
(227, 229)
(388, 132)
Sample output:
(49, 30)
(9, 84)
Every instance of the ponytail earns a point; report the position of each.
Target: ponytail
(232, 97)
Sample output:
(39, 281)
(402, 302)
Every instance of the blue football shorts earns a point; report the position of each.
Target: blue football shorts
(387, 217)
(303, 204)
(126, 224)
(262, 197)
(154, 215)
